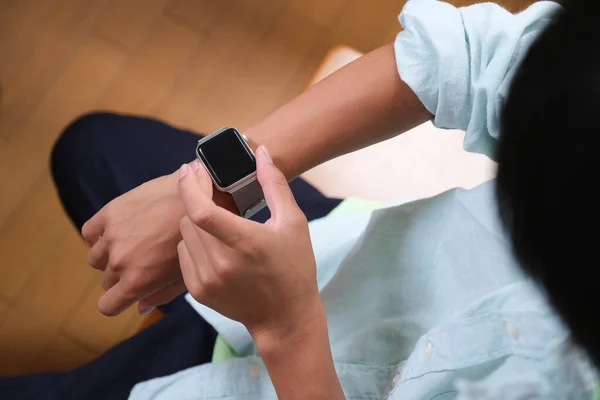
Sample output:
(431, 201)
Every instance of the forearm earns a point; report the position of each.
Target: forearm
(299, 361)
(363, 103)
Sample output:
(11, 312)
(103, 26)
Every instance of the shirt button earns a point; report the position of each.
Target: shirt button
(428, 349)
(254, 370)
(511, 330)
(395, 380)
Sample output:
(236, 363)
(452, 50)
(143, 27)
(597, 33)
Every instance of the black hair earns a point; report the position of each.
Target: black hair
(548, 184)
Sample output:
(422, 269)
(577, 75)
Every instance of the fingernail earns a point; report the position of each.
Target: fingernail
(196, 165)
(183, 171)
(147, 311)
(267, 155)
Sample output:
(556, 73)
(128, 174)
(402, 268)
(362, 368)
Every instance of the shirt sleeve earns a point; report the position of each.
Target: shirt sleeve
(460, 61)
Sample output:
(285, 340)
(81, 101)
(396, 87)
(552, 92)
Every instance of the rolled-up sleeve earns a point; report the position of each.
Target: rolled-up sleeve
(460, 61)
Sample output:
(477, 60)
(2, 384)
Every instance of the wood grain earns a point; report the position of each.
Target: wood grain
(3, 308)
(157, 60)
(29, 236)
(17, 21)
(62, 282)
(213, 69)
(24, 157)
(23, 339)
(128, 22)
(286, 46)
(200, 15)
(32, 70)
(322, 13)
(92, 329)
(366, 27)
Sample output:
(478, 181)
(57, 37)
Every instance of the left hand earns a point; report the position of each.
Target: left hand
(262, 275)
(133, 241)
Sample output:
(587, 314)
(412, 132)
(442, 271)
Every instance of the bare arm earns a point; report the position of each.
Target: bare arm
(262, 275)
(363, 103)
(300, 363)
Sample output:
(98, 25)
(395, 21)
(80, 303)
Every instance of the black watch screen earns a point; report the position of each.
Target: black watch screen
(227, 157)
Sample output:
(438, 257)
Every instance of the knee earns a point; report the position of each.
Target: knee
(77, 142)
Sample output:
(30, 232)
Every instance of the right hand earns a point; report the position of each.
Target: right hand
(133, 240)
(262, 275)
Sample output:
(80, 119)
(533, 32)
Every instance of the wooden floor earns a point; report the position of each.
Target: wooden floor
(179, 60)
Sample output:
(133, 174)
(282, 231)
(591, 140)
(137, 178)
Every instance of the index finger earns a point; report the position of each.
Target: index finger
(209, 217)
(93, 229)
(116, 300)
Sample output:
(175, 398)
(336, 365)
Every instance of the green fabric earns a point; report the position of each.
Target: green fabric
(597, 391)
(353, 204)
(222, 350)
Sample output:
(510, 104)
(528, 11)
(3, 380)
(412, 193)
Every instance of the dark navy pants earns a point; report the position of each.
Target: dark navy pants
(97, 158)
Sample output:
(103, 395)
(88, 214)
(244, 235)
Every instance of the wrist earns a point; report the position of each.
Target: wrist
(298, 356)
(290, 330)
(171, 181)
(262, 134)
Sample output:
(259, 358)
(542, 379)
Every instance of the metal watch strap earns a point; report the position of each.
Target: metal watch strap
(249, 199)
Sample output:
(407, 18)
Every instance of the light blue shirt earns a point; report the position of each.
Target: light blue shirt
(424, 300)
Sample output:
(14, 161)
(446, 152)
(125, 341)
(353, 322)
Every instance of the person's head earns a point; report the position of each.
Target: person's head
(548, 183)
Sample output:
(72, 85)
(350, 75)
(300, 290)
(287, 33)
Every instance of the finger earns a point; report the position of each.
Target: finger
(163, 296)
(203, 249)
(109, 279)
(97, 256)
(203, 178)
(116, 300)
(278, 195)
(93, 229)
(209, 217)
(194, 240)
(191, 278)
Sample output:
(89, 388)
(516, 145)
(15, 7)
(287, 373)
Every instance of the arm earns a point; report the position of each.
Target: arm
(262, 275)
(301, 365)
(363, 103)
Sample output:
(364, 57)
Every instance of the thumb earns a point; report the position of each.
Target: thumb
(193, 189)
(162, 296)
(195, 186)
(202, 177)
(203, 212)
(278, 194)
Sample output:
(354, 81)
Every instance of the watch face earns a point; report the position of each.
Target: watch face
(227, 157)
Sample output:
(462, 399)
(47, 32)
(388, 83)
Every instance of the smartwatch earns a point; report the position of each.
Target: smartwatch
(231, 164)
